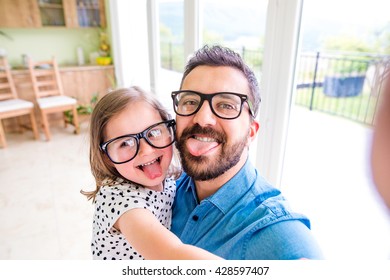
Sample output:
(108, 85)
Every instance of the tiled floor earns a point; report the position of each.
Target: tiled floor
(43, 215)
(327, 176)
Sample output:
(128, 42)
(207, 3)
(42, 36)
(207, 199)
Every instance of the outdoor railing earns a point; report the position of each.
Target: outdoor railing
(343, 84)
(346, 85)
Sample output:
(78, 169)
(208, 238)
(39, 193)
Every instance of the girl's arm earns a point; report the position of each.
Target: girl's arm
(154, 241)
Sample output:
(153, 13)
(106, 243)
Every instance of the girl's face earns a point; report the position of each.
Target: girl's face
(150, 165)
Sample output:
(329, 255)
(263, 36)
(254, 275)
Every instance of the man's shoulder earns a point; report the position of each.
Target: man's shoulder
(183, 180)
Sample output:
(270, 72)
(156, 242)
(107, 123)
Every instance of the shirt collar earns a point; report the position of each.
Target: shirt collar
(228, 195)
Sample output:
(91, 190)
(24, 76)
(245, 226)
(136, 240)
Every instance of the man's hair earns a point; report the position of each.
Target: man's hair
(222, 56)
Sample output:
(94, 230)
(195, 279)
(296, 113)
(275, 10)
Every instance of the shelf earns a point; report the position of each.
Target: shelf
(50, 6)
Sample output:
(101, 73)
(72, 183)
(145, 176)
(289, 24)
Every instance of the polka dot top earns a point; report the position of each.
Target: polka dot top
(111, 202)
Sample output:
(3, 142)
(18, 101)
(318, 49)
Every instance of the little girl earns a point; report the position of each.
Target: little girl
(131, 137)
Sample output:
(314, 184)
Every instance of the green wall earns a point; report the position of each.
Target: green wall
(43, 43)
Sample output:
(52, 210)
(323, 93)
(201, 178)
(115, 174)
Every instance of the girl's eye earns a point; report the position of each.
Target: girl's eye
(155, 133)
(127, 143)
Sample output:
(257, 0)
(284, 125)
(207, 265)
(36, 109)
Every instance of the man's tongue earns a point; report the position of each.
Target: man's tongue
(153, 170)
(198, 147)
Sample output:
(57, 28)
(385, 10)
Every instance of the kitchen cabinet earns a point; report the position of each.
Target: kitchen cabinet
(82, 82)
(90, 13)
(72, 13)
(52, 13)
(19, 13)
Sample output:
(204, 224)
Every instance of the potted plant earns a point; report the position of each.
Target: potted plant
(104, 57)
(83, 109)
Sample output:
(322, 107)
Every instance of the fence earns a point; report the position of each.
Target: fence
(342, 84)
(346, 85)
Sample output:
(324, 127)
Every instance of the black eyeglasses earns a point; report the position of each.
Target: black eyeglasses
(125, 148)
(225, 105)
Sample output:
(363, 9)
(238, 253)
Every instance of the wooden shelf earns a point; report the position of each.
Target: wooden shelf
(50, 6)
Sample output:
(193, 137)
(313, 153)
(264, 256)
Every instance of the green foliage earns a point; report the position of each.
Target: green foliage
(83, 109)
(359, 108)
(211, 38)
(348, 66)
(172, 56)
(2, 33)
(383, 39)
(346, 42)
(165, 33)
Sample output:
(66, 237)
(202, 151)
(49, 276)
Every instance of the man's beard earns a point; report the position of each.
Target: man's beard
(202, 168)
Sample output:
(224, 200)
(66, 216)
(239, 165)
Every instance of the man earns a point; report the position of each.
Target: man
(222, 203)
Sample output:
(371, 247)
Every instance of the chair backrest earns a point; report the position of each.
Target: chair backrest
(7, 85)
(45, 78)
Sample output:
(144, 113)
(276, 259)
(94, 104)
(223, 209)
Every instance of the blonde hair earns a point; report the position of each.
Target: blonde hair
(107, 107)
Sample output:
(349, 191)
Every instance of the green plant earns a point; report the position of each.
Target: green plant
(2, 33)
(83, 109)
(347, 66)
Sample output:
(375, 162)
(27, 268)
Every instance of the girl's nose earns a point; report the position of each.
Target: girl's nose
(145, 148)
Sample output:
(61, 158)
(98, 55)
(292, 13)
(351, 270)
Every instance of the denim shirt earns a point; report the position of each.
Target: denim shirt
(246, 218)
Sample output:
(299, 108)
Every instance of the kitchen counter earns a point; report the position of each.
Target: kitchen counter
(86, 67)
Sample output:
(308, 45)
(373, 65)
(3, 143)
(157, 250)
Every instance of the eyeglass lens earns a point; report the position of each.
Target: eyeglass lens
(125, 148)
(224, 105)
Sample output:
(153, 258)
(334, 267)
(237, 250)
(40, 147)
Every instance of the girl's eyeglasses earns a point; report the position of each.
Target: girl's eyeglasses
(125, 148)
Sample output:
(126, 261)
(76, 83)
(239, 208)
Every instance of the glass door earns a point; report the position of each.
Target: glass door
(52, 12)
(88, 13)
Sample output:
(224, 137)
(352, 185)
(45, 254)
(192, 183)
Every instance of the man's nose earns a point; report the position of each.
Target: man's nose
(205, 116)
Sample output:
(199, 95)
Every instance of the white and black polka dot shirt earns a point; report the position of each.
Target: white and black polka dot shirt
(111, 202)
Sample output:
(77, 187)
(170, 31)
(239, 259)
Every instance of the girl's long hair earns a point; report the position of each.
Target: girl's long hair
(107, 107)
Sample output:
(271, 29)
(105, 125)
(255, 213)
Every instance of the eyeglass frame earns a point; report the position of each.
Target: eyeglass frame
(138, 137)
(244, 98)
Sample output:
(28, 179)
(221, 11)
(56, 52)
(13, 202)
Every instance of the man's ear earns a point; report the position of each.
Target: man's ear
(253, 129)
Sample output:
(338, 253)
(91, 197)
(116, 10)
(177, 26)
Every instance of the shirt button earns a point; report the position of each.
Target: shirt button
(195, 218)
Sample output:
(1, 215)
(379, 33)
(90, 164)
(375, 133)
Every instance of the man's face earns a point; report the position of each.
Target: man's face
(211, 146)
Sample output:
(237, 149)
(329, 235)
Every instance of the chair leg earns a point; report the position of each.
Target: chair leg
(2, 136)
(34, 125)
(76, 120)
(45, 124)
(65, 120)
(20, 126)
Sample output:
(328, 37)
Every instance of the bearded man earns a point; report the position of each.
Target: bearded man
(222, 203)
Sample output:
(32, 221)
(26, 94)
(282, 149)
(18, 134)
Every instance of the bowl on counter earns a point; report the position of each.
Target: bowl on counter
(103, 60)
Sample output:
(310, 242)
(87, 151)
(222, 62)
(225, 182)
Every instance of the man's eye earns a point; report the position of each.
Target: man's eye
(227, 106)
(189, 102)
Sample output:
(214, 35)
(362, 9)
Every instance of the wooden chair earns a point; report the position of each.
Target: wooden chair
(49, 93)
(10, 105)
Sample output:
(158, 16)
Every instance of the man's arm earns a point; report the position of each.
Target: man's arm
(286, 240)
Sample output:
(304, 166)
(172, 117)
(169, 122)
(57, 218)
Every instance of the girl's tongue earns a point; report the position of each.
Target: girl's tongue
(152, 170)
